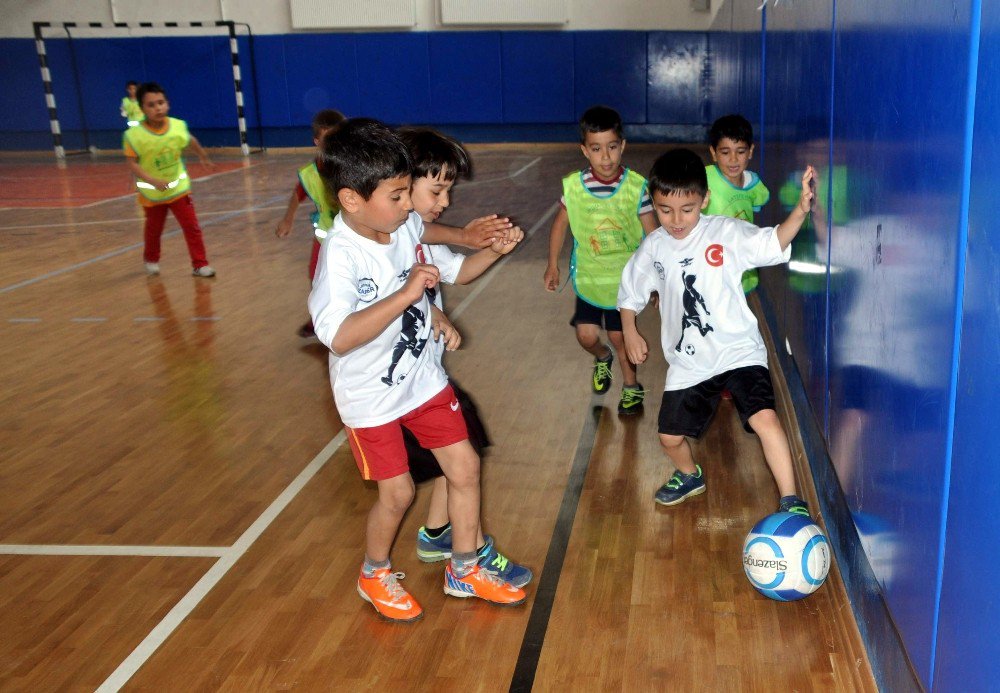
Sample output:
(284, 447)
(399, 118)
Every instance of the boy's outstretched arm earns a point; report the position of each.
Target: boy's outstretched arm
(285, 225)
(200, 151)
(789, 228)
(557, 234)
(635, 344)
(478, 233)
(364, 325)
(475, 265)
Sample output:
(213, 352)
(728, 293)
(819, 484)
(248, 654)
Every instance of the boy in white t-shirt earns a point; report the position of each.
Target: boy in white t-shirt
(372, 305)
(708, 333)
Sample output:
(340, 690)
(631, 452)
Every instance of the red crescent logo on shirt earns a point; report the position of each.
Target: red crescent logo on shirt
(713, 255)
(420, 254)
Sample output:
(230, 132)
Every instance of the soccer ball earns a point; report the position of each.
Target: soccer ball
(689, 348)
(786, 556)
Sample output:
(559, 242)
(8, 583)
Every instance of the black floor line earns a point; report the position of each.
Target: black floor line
(545, 594)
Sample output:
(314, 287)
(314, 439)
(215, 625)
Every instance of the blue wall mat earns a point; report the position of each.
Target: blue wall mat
(537, 76)
(22, 98)
(798, 82)
(465, 85)
(677, 90)
(189, 69)
(898, 136)
(104, 67)
(321, 72)
(273, 92)
(610, 69)
(394, 77)
(970, 609)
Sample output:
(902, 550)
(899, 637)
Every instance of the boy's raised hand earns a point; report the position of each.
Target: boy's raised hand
(421, 277)
(444, 328)
(481, 232)
(808, 190)
(508, 241)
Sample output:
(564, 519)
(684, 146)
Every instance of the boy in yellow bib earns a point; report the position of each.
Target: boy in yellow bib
(130, 109)
(608, 210)
(154, 150)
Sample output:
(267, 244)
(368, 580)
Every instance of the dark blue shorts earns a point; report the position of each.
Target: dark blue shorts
(688, 412)
(589, 314)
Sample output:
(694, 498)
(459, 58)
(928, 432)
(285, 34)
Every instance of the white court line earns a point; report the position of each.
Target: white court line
(120, 676)
(511, 176)
(112, 550)
(141, 654)
(129, 220)
(120, 251)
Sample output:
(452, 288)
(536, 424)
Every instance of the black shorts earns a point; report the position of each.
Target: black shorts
(423, 464)
(589, 314)
(688, 412)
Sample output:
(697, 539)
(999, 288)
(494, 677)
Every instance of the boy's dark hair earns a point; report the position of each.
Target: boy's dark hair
(148, 88)
(600, 119)
(735, 127)
(678, 171)
(326, 119)
(431, 152)
(131, 83)
(360, 154)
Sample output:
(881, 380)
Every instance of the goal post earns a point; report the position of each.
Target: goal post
(46, 71)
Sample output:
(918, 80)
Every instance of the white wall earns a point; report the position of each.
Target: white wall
(274, 16)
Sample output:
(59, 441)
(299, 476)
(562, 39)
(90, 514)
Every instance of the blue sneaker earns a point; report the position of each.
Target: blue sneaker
(432, 550)
(680, 487)
(793, 504)
(492, 561)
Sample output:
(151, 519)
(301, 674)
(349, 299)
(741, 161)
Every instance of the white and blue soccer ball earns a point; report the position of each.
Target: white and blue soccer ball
(786, 556)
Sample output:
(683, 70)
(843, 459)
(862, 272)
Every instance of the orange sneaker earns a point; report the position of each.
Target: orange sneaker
(483, 584)
(390, 600)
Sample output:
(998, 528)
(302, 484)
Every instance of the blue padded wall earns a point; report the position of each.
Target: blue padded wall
(968, 651)
(516, 85)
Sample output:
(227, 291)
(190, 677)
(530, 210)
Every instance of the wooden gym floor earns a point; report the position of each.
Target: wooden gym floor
(179, 510)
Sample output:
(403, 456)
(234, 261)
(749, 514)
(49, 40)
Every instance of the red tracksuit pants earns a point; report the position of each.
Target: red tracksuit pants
(183, 210)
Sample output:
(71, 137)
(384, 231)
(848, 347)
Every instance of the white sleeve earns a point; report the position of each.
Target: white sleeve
(639, 279)
(334, 294)
(448, 262)
(760, 247)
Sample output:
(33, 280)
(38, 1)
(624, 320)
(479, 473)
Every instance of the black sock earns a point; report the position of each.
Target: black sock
(437, 531)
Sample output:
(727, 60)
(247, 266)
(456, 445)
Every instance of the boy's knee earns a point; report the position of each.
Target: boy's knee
(397, 497)
(464, 473)
(671, 442)
(765, 419)
(617, 339)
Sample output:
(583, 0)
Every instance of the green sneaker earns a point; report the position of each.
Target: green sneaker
(602, 373)
(680, 487)
(793, 504)
(631, 400)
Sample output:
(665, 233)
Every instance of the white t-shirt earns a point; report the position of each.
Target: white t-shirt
(706, 326)
(396, 371)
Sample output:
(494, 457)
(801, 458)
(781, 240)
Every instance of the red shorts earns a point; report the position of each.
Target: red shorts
(380, 451)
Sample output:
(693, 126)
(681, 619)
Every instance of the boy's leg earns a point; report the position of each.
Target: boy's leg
(589, 337)
(678, 449)
(460, 464)
(394, 497)
(156, 216)
(183, 210)
(314, 257)
(777, 454)
(617, 339)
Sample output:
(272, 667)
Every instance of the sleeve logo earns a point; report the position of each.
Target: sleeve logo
(367, 290)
